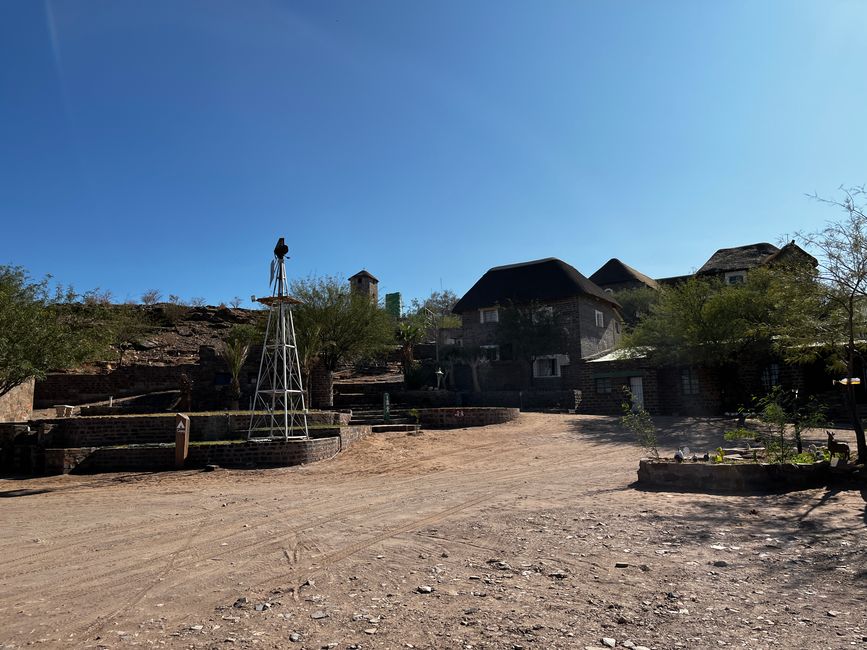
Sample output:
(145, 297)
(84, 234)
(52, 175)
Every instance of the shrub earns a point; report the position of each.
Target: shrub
(638, 421)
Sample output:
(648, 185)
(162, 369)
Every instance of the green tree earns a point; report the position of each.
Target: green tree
(339, 326)
(234, 350)
(636, 303)
(408, 335)
(472, 356)
(826, 307)
(434, 314)
(703, 321)
(40, 331)
(530, 330)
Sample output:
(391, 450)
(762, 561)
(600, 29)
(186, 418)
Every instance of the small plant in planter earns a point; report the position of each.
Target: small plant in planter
(638, 421)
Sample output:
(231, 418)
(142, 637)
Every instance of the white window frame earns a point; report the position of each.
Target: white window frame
(600, 318)
(735, 277)
(489, 310)
(548, 357)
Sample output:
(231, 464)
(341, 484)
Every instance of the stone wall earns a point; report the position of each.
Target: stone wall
(271, 453)
(17, 404)
(68, 388)
(739, 477)
(457, 418)
(154, 429)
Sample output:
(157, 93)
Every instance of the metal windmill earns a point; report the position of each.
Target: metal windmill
(278, 407)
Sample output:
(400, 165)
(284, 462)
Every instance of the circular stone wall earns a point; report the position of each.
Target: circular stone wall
(457, 418)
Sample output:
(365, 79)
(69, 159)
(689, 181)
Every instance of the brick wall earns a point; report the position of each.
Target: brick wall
(602, 385)
(454, 418)
(17, 404)
(153, 429)
(272, 453)
(584, 338)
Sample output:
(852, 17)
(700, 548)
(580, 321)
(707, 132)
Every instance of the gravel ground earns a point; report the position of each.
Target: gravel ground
(524, 535)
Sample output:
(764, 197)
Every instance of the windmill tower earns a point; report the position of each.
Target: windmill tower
(278, 407)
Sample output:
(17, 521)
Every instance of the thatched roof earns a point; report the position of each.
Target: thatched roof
(738, 258)
(542, 280)
(750, 256)
(363, 274)
(616, 274)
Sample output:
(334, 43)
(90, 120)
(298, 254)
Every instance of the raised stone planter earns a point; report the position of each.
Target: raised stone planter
(457, 418)
(241, 453)
(737, 477)
(103, 431)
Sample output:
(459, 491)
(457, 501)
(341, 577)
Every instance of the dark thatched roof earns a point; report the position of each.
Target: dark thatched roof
(738, 258)
(747, 257)
(363, 274)
(616, 274)
(542, 280)
(792, 253)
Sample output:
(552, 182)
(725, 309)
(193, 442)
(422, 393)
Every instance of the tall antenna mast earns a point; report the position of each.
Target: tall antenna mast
(278, 407)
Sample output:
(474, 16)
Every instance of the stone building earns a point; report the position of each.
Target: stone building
(588, 316)
(365, 284)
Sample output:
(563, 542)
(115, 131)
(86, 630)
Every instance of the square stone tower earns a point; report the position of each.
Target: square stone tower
(365, 284)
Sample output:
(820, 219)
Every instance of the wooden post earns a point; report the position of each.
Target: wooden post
(182, 439)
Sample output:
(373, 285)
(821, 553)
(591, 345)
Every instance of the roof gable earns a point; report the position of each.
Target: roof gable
(543, 280)
(738, 258)
(616, 272)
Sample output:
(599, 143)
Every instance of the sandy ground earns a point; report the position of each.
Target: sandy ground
(525, 535)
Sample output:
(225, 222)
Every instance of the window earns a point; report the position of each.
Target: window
(737, 277)
(689, 381)
(600, 319)
(546, 367)
(616, 326)
(603, 385)
(771, 376)
(490, 315)
(491, 352)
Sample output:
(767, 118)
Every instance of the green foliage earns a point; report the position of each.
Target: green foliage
(780, 411)
(234, 351)
(638, 421)
(703, 321)
(336, 325)
(436, 310)
(41, 332)
(810, 457)
(408, 335)
(472, 356)
(742, 434)
(636, 303)
(718, 456)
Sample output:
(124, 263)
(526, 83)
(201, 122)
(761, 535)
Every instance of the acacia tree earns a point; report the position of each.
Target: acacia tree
(41, 332)
(338, 325)
(703, 321)
(828, 306)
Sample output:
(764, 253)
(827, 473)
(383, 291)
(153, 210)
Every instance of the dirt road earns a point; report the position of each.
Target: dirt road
(524, 535)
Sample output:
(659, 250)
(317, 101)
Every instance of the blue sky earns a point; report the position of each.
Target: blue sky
(167, 144)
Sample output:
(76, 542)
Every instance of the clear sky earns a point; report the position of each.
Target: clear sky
(167, 144)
